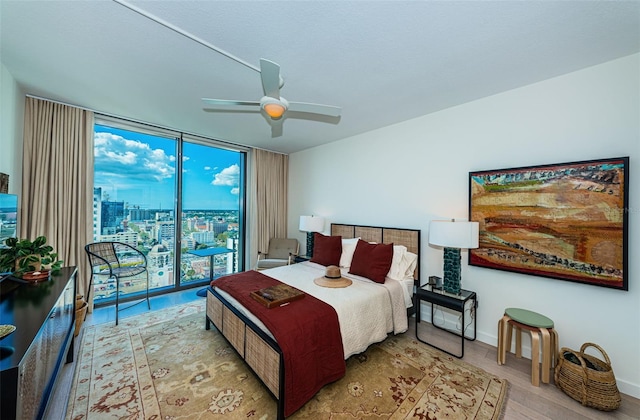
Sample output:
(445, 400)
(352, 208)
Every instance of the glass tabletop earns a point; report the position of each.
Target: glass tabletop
(464, 294)
(208, 252)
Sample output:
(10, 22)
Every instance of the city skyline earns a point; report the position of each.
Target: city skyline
(139, 169)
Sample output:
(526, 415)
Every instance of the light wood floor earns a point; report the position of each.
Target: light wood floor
(525, 401)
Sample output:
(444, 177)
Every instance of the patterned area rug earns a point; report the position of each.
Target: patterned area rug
(165, 365)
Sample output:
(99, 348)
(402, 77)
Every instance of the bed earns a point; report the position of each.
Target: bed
(363, 313)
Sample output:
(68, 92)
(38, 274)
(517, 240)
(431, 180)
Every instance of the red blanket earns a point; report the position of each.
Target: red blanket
(306, 330)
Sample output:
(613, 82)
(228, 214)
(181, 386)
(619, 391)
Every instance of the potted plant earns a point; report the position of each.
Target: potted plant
(22, 255)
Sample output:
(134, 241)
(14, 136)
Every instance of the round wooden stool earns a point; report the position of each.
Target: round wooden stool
(538, 325)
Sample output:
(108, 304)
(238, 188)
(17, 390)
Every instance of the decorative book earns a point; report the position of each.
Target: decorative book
(277, 295)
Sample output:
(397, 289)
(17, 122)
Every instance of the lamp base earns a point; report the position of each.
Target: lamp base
(310, 244)
(451, 282)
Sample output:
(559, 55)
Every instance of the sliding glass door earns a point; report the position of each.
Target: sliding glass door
(211, 223)
(177, 200)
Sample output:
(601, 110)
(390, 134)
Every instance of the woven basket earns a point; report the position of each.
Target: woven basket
(81, 313)
(588, 379)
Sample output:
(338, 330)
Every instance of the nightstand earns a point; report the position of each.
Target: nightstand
(438, 297)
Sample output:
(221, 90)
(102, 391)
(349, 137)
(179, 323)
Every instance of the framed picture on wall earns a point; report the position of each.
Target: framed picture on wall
(4, 183)
(566, 221)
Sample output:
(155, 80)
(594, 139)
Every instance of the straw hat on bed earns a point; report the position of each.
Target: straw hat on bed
(332, 278)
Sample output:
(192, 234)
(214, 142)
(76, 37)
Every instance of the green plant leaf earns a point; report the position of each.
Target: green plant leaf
(28, 254)
(40, 240)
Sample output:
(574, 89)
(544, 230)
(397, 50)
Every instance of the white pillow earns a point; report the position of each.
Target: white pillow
(403, 263)
(396, 271)
(409, 262)
(348, 248)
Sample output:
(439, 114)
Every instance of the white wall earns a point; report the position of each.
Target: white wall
(407, 174)
(11, 128)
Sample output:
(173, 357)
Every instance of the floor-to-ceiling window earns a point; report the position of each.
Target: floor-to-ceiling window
(177, 198)
(210, 211)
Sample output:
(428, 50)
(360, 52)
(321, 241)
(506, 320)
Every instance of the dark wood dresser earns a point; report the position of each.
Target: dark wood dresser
(31, 356)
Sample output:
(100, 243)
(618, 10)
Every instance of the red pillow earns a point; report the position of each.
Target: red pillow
(326, 249)
(372, 261)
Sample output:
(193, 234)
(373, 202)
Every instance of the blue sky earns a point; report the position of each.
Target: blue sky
(140, 170)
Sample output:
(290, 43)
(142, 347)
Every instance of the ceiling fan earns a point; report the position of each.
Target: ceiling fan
(275, 107)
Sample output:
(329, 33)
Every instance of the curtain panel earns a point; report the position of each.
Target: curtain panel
(271, 192)
(57, 182)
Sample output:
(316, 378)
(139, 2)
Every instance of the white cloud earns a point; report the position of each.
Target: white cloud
(125, 158)
(229, 176)
(116, 156)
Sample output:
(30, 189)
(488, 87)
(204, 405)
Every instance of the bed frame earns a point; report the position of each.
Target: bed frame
(261, 352)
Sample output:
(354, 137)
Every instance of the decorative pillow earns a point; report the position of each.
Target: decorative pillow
(326, 249)
(372, 260)
(348, 248)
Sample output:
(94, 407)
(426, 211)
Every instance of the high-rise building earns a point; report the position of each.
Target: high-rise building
(112, 217)
(165, 233)
(97, 213)
(206, 237)
(188, 242)
(138, 215)
(129, 238)
(218, 226)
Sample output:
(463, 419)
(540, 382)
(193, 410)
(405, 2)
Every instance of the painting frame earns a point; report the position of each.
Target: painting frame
(566, 221)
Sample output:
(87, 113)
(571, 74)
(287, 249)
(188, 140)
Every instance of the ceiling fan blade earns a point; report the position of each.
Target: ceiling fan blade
(276, 127)
(270, 74)
(332, 111)
(273, 107)
(230, 104)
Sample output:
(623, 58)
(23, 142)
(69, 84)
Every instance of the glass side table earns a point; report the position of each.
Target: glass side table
(438, 297)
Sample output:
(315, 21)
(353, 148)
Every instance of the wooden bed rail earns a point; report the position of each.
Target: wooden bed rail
(259, 351)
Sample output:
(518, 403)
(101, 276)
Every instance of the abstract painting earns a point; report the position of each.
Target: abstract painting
(566, 221)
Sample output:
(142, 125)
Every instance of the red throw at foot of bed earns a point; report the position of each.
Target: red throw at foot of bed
(306, 330)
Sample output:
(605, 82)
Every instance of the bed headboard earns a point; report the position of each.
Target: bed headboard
(384, 235)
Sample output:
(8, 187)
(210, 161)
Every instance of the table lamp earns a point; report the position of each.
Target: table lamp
(311, 224)
(453, 236)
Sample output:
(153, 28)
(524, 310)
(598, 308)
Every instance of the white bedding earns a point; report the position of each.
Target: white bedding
(367, 311)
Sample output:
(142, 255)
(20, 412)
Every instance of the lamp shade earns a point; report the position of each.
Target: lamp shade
(311, 223)
(274, 110)
(452, 234)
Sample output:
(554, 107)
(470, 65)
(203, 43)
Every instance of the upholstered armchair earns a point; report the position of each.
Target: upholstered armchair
(281, 252)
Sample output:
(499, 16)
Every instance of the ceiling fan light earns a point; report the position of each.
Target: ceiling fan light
(274, 110)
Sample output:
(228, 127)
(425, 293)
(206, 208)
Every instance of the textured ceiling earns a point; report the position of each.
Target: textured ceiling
(383, 62)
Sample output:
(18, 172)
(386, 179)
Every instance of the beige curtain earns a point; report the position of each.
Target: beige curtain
(57, 182)
(270, 175)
